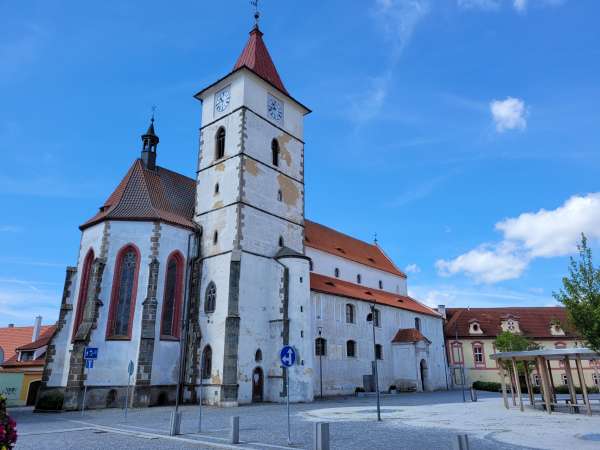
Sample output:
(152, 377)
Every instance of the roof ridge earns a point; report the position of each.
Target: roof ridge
(340, 232)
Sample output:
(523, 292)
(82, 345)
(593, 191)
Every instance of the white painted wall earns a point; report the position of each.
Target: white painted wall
(325, 263)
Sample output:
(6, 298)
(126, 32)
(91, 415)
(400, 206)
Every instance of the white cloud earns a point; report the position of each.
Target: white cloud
(22, 300)
(520, 5)
(412, 268)
(493, 5)
(509, 114)
(486, 263)
(487, 5)
(555, 232)
(400, 19)
(541, 234)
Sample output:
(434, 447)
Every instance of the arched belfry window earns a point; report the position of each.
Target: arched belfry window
(171, 308)
(206, 362)
(124, 288)
(275, 152)
(210, 298)
(220, 143)
(83, 289)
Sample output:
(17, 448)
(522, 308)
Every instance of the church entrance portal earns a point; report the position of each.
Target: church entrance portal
(423, 367)
(257, 385)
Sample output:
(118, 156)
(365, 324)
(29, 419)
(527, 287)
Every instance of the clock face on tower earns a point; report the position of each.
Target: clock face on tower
(275, 108)
(222, 99)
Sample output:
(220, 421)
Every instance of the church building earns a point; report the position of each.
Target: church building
(220, 272)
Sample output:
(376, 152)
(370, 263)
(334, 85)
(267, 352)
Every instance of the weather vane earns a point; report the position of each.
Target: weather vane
(153, 111)
(375, 238)
(256, 11)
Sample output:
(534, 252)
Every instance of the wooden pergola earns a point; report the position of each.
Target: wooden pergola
(507, 364)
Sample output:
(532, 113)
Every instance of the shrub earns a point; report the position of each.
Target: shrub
(50, 401)
(490, 386)
(359, 389)
(8, 427)
(392, 387)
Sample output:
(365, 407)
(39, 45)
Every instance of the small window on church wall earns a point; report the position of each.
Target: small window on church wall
(172, 297)
(258, 355)
(220, 143)
(210, 299)
(358, 279)
(280, 241)
(206, 362)
(380, 284)
(320, 347)
(310, 265)
(336, 272)
(123, 293)
(217, 188)
(83, 290)
(378, 351)
(351, 349)
(418, 323)
(215, 237)
(279, 195)
(349, 313)
(275, 152)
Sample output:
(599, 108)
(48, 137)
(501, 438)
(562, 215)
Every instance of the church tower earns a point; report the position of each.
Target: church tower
(255, 284)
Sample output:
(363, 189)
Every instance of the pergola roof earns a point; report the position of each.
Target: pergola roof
(551, 353)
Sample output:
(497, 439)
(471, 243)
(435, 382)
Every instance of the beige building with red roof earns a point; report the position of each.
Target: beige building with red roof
(226, 266)
(471, 333)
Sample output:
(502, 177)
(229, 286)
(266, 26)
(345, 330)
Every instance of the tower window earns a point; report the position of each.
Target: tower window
(358, 278)
(336, 272)
(351, 349)
(217, 188)
(206, 362)
(275, 152)
(220, 143)
(279, 195)
(280, 241)
(215, 237)
(210, 298)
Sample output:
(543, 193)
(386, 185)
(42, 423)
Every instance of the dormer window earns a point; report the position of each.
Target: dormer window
(475, 328)
(556, 328)
(510, 324)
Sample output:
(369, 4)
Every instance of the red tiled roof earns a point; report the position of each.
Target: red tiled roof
(12, 338)
(150, 195)
(409, 335)
(533, 322)
(255, 57)
(43, 340)
(335, 286)
(331, 241)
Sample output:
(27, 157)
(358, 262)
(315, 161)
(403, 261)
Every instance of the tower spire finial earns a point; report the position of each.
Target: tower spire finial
(256, 12)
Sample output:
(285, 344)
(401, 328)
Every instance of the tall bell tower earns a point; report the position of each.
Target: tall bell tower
(250, 206)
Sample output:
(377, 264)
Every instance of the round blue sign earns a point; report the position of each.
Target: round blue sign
(287, 356)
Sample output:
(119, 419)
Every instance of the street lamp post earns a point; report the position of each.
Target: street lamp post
(372, 316)
(321, 350)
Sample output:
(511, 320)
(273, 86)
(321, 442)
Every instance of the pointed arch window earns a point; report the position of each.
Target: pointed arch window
(173, 295)
(83, 289)
(206, 362)
(210, 298)
(220, 143)
(124, 289)
(275, 152)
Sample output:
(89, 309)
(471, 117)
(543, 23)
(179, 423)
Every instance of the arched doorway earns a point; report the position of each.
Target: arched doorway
(257, 385)
(32, 393)
(424, 370)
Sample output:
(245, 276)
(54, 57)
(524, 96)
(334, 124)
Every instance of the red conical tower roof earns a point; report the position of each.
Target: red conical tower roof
(255, 57)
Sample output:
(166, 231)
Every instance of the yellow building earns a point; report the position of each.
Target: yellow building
(471, 332)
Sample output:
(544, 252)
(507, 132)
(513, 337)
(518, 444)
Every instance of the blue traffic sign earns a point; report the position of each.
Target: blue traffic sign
(89, 363)
(90, 353)
(287, 356)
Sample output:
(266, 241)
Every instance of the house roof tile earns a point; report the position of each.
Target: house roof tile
(405, 335)
(13, 337)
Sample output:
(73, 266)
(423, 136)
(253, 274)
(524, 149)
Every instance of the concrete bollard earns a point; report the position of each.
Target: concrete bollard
(235, 430)
(462, 442)
(174, 426)
(321, 436)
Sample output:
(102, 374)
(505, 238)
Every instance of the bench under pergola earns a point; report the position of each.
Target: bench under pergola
(507, 364)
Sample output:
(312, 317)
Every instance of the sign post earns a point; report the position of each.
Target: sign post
(287, 355)
(130, 372)
(89, 355)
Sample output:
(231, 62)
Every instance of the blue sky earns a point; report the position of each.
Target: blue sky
(463, 132)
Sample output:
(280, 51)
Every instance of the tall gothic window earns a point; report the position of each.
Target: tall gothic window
(275, 152)
(206, 362)
(83, 289)
(220, 143)
(123, 293)
(210, 299)
(349, 313)
(171, 308)
(320, 347)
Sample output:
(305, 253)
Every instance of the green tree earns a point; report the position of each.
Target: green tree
(510, 342)
(581, 295)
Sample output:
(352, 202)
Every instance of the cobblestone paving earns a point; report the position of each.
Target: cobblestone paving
(261, 427)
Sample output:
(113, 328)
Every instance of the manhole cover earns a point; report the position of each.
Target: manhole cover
(590, 437)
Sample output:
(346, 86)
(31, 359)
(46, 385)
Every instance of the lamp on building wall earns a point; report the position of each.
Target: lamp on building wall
(321, 350)
(372, 318)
